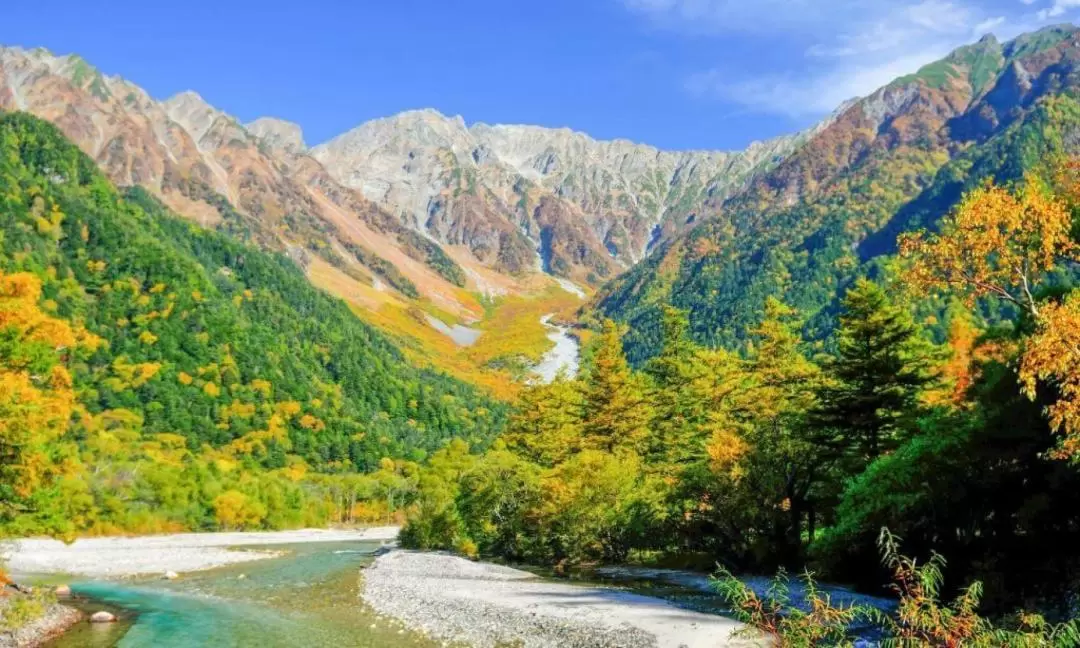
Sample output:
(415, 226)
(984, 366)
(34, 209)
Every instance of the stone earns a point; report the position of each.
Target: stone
(62, 591)
(171, 575)
(102, 617)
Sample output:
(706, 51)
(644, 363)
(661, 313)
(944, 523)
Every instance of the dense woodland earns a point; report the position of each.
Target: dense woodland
(783, 455)
(159, 376)
(162, 376)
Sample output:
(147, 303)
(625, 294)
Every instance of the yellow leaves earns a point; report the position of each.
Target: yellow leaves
(211, 390)
(197, 296)
(157, 288)
(19, 296)
(238, 410)
(184, 378)
(34, 410)
(49, 225)
(1052, 354)
(295, 472)
(235, 510)
(147, 338)
(725, 449)
(996, 243)
(287, 409)
(262, 386)
(96, 267)
(309, 422)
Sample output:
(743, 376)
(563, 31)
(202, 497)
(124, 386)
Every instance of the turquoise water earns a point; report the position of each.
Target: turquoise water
(308, 597)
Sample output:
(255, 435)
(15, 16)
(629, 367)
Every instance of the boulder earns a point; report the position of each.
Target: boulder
(62, 591)
(102, 617)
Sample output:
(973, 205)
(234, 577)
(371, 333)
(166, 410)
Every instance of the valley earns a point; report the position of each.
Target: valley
(848, 351)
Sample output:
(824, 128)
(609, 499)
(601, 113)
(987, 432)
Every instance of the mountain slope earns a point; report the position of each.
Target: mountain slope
(258, 184)
(209, 339)
(589, 208)
(822, 216)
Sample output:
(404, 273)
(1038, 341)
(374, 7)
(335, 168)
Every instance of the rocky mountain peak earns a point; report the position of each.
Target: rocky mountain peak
(192, 112)
(278, 134)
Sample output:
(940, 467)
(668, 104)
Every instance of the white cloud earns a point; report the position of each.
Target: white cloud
(1057, 9)
(850, 47)
(800, 96)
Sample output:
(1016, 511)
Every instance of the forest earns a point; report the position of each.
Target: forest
(160, 376)
(789, 453)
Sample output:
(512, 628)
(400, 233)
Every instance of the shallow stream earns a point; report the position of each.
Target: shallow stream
(308, 597)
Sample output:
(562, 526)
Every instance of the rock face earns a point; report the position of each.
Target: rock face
(278, 134)
(591, 208)
(256, 182)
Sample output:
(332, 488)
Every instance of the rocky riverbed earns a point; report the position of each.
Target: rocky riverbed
(486, 605)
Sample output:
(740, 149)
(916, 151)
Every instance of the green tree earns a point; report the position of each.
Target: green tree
(616, 408)
(680, 398)
(546, 427)
(881, 368)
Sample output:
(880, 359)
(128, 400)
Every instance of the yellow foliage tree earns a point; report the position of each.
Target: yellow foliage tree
(37, 398)
(235, 510)
(1052, 355)
(997, 243)
(1001, 244)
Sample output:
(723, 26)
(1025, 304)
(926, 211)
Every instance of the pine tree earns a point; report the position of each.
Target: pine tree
(881, 368)
(616, 410)
(679, 395)
(546, 427)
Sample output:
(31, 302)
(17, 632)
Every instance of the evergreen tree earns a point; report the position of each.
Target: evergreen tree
(679, 395)
(881, 368)
(616, 410)
(546, 426)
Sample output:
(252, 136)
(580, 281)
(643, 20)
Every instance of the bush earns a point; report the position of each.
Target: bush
(921, 620)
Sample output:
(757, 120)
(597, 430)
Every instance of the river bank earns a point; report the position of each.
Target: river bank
(485, 605)
(53, 621)
(119, 557)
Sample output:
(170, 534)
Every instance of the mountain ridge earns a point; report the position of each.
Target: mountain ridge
(831, 210)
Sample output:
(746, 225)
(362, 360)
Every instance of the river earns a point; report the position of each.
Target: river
(561, 358)
(307, 597)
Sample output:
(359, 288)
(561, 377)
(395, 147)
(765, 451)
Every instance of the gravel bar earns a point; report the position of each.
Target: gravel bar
(486, 605)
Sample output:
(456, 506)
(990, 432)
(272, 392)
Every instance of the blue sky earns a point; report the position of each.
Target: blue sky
(677, 74)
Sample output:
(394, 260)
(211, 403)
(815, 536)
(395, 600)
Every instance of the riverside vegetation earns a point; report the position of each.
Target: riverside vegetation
(787, 453)
(158, 376)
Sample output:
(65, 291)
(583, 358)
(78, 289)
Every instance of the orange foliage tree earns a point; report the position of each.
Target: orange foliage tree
(1002, 244)
(36, 392)
(997, 243)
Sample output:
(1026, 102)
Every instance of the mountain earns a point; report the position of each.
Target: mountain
(258, 184)
(423, 223)
(206, 338)
(895, 160)
(590, 208)
(419, 222)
